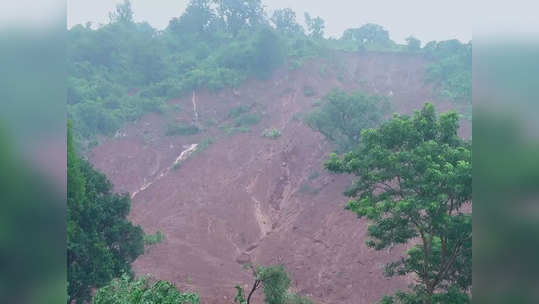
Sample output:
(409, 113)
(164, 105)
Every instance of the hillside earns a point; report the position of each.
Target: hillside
(244, 198)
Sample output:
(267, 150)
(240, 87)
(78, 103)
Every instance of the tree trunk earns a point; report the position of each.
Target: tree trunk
(255, 286)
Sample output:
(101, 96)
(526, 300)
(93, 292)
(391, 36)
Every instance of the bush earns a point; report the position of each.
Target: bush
(156, 238)
(181, 129)
(237, 111)
(297, 299)
(271, 133)
(308, 91)
(204, 144)
(142, 291)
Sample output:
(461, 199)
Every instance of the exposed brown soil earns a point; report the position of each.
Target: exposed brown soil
(247, 198)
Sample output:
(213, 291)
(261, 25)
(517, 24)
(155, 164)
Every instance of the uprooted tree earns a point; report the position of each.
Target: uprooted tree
(415, 178)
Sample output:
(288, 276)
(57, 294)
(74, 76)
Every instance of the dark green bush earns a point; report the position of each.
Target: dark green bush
(181, 129)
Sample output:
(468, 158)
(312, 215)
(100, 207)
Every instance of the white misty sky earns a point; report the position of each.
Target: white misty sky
(425, 19)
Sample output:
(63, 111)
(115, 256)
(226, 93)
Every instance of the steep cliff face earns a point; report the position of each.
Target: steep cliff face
(225, 197)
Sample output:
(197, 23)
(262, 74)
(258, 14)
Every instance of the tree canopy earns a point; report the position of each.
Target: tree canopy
(143, 290)
(343, 116)
(119, 71)
(275, 282)
(414, 181)
(101, 242)
(315, 26)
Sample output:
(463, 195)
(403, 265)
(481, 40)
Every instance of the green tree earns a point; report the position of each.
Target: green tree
(142, 291)
(268, 53)
(101, 242)
(240, 14)
(413, 44)
(285, 21)
(315, 26)
(275, 283)
(451, 68)
(415, 177)
(368, 35)
(123, 13)
(343, 116)
(198, 19)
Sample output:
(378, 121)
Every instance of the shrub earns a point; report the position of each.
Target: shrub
(204, 144)
(237, 111)
(308, 91)
(181, 129)
(151, 239)
(142, 291)
(271, 133)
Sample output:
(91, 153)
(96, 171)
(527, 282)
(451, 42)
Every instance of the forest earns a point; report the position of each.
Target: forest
(409, 174)
(123, 69)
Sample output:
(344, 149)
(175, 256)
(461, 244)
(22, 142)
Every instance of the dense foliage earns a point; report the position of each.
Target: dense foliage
(414, 181)
(101, 242)
(451, 69)
(142, 291)
(342, 116)
(123, 69)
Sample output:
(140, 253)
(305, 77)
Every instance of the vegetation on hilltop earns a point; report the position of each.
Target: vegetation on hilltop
(121, 70)
(414, 172)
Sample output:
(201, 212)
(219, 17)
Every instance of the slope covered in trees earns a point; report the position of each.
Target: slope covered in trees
(124, 69)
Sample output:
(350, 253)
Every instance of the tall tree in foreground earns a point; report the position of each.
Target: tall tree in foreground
(101, 242)
(415, 177)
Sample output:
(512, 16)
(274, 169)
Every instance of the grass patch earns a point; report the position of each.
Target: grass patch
(181, 129)
(271, 133)
(152, 239)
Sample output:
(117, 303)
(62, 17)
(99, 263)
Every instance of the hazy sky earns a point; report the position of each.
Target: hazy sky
(425, 19)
